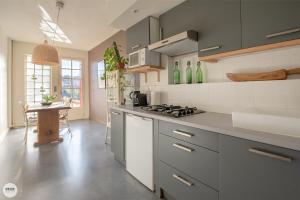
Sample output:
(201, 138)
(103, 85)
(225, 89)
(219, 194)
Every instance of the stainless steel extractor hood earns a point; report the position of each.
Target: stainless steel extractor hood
(182, 43)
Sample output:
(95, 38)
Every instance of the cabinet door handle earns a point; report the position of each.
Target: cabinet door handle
(165, 41)
(115, 113)
(210, 48)
(135, 46)
(179, 146)
(182, 133)
(283, 33)
(182, 180)
(270, 155)
(146, 119)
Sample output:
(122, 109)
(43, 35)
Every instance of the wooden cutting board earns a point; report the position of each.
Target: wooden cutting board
(274, 75)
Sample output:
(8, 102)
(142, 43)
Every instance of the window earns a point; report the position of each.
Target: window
(37, 81)
(100, 74)
(71, 80)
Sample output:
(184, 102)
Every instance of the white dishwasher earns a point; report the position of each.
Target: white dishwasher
(139, 149)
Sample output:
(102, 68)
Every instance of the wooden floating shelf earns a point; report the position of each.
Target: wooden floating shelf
(215, 58)
(145, 70)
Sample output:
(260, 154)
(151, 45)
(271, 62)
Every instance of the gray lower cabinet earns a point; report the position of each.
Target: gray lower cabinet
(269, 21)
(118, 135)
(198, 162)
(255, 171)
(203, 138)
(218, 23)
(179, 186)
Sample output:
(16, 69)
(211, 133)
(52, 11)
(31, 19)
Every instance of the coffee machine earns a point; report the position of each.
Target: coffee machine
(138, 98)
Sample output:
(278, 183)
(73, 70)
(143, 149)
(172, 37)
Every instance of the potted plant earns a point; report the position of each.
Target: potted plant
(114, 61)
(48, 100)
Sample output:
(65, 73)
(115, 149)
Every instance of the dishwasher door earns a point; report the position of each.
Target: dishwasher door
(139, 149)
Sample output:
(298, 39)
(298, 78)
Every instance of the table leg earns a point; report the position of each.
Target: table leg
(48, 127)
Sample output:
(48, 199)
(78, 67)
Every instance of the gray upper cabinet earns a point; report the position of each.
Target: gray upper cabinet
(142, 34)
(255, 171)
(217, 22)
(117, 135)
(269, 21)
(219, 26)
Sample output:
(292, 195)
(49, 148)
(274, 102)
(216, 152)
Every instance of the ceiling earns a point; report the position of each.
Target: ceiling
(86, 22)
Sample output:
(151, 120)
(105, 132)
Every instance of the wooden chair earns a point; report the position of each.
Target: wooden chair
(64, 115)
(29, 120)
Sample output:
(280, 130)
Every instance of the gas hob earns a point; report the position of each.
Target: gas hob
(172, 111)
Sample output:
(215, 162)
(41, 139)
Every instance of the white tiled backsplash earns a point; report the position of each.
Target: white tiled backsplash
(219, 94)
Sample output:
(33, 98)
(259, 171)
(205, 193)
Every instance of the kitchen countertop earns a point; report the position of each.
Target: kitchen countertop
(220, 123)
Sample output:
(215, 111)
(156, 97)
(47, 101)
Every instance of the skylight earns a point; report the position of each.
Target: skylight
(51, 29)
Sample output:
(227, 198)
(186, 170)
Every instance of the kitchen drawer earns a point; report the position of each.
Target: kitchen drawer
(199, 163)
(183, 187)
(195, 136)
(255, 171)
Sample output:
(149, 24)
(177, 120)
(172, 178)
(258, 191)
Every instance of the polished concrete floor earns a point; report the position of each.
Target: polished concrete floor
(81, 167)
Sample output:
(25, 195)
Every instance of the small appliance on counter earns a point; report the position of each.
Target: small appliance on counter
(138, 98)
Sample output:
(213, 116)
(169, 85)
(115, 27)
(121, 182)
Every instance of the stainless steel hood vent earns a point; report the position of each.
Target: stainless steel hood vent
(182, 43)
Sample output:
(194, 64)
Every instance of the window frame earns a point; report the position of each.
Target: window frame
(34, 88)
(60, 78)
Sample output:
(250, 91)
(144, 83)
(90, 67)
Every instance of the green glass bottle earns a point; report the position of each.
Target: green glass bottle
(188, 73)
(199, 77)
(176, 74)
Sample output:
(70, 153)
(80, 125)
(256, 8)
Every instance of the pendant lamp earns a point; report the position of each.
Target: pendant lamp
(45, 54)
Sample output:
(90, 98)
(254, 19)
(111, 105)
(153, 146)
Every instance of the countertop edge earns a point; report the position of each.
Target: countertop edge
(284, 141)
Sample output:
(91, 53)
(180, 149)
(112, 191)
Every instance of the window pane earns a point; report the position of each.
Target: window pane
(76, 74)
(38, 72)
(71, 80)
(46, 85)
(28, 58)
(38, 81)
(30, 92)
(47, 91)
(76, 94)
(30, 84)
(38, 67)
(38, 98)
(76, 64)
(66, 63)
(38, 85)
(66, 83)
(67, 93)
(47, 79)
(46, 72)
(66, 73)
(30, 98)
(76, 83)
(30, 72)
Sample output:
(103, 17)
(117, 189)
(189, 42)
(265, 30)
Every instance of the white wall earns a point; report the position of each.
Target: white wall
(20, 49)
(219, 94)
(3, 84)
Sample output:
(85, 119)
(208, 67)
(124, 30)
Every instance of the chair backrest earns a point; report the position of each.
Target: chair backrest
(24, 109)
(67, 102)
